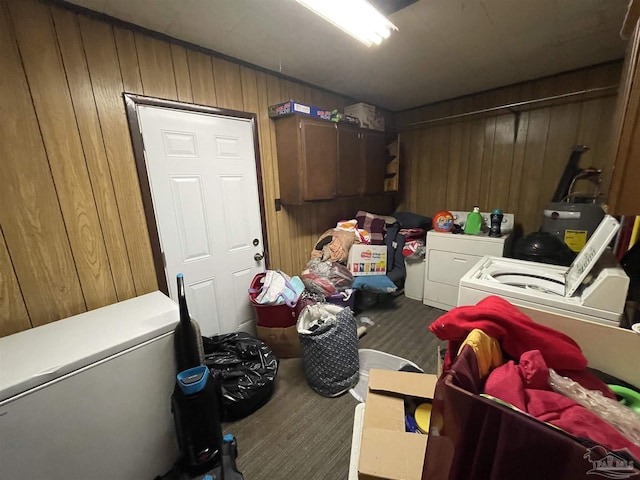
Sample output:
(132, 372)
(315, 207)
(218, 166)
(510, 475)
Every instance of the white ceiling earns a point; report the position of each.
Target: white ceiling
(443, 49)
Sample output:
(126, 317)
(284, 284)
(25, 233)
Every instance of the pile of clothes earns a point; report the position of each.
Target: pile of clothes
(496, 351)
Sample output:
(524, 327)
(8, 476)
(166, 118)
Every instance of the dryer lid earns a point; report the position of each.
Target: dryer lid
(590, 254)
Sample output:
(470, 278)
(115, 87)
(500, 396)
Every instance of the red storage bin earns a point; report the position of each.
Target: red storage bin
(280, 315)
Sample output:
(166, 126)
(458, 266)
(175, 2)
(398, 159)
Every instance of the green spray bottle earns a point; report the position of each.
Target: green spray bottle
(474, 222)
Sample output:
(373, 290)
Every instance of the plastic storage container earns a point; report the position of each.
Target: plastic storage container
(280, 315)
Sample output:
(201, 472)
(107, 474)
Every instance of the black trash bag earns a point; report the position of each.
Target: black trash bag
(248, 371)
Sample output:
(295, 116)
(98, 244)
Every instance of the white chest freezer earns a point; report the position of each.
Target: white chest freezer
(593, 288)
(89, 396)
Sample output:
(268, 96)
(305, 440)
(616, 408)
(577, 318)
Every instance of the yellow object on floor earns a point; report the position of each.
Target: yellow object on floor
(487, 349)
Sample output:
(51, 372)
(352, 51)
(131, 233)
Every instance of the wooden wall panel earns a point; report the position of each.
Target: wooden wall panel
(57, 121)
(156, 67)
(516, 175)
(71, 48)
(202, 84)
(228, 83)
(269, 180)
(13, 312)
(529, 212)
(181, 73)
(496, 167)
(284, 240)
(30, 216)
(128, 60)
(106, 81)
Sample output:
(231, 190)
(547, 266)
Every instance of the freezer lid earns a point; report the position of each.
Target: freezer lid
(34, 357)
(590, 254)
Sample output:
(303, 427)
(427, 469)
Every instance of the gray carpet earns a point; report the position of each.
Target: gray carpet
(301, 435)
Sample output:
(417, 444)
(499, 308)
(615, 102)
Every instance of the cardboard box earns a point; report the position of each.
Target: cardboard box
(367, 114)
(367, 260)
(387, 452)
(284, 342)
(291, 107)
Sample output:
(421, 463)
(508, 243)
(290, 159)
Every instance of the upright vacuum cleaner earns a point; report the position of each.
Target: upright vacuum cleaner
(195, 403)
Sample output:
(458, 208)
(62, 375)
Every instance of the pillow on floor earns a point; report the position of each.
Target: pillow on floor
(374, 283)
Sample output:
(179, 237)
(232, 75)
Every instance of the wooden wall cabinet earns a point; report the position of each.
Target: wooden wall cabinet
(392, 181)
(375, 161)
(320, 160)
(624, 196)
(350, 161)
(307, 159)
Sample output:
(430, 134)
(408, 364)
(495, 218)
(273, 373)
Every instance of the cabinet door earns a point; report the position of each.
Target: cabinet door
(375, 161)
(319, 159)
(350, 166)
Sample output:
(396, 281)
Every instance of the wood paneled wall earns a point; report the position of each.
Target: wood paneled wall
(73, 235)
(504, 160)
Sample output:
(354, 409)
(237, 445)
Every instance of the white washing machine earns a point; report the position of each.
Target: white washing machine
(593, 288)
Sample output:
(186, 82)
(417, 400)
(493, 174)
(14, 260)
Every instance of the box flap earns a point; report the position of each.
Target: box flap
(405, 383)
(391, 455)
(384, 411)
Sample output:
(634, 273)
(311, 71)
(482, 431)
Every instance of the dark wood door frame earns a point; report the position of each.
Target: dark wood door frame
(132, 101)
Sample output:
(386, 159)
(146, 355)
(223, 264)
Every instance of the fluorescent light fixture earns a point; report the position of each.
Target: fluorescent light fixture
(358, 18)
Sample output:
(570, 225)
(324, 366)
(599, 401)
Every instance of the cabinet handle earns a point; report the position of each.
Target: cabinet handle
(460, 260)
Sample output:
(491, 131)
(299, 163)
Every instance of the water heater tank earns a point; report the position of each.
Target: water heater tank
(573, 223)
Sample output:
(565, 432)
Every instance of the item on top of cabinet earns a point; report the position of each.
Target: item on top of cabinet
(496, 222)
(474, 222)
(443, 221)
(367, 114)
(290, 107)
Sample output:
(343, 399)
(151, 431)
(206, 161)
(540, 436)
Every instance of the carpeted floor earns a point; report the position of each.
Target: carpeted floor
(301, 435)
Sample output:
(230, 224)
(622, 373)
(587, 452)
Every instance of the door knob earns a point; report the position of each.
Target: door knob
(258, 256)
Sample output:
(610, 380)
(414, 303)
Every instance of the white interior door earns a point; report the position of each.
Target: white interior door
(202, 174)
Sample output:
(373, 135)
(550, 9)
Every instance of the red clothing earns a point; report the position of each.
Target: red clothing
(517, 334)
(526, 387)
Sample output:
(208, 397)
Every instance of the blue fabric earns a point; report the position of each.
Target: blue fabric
(396, 270)
(375, 283)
